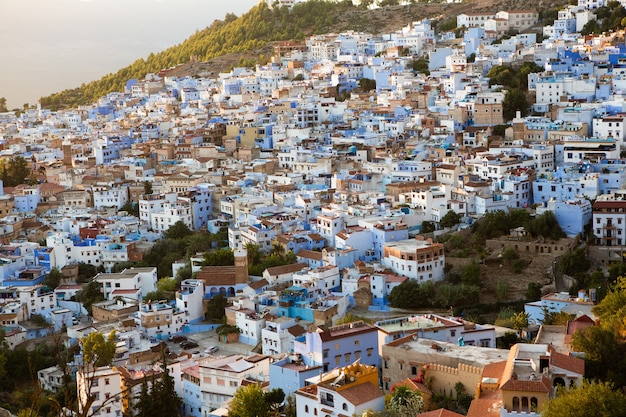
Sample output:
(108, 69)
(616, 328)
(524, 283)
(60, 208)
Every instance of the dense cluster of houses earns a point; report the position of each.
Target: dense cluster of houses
(272, 154)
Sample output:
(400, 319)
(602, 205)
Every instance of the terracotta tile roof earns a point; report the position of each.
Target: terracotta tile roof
(309, 254)
(217, 275)
(488, 405)
(542, 385)
(494, 370)
(296, 330)
(285, 269)
(566, 362)
(258, 284)
(442, 412)
(361, 393)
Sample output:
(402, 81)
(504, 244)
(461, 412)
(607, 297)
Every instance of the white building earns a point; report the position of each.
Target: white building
(105, 196)
(421, 260)
(220, 378)
(153, 203)
(171, 214)
(276, 337)
(142, 279)
(189, 299)
(104, 385)
(159, 320)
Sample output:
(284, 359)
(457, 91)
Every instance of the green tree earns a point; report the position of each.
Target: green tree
(14, 171)
(3, 105)
(178, 230)
(519, 321)
(575, 263)
(470, 275)
(603, 357)
(86, 272)
(591, 27)
(406, 402)
(159, 398)
(502, 289)
(147, 187)
(89, 295)
(598, 399)
(514, 100)
(249, 401)
(450, 219)
(98, 350)
(612, 309)
(367, 84)
(53, 279)
(533, 291)
(428, 227)
(215, 307)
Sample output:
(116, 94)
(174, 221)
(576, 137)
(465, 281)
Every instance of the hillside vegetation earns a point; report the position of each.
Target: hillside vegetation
(251, 31)
(250, 35)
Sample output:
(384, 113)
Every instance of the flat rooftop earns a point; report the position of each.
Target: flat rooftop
(449, 354)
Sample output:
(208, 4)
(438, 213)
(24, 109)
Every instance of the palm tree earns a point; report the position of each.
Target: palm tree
(406, 402)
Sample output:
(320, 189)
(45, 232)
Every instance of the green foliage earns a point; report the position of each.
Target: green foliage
(86, 272)
(39, 320)
(502, 289)
(470, 275)
(53, 279)
(3, 105)
(546, 226)
(178, 230)
(575, 263)
(533, 291)
(411, 295)
(147, 187)
(598, 399)
(219, 257)
(131, 208)
(428, 227)
(556, 318)
(510, 254)
(504, 317)
(160, 398)
(89, 295)
(514, 100)
(215, 307)
(454, 295)
(253, 30)
(405, 402)
(519, 321)
(15, 171)
(506, 341)
(450, 219)
(250, 401)
(446, 25)
(367, 84)
(591, 27)
(420, 65)
(98, 351)
(513, 78)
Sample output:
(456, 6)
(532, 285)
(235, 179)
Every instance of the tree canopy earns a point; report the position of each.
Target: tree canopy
(252, 401)
(98, 350)
(596, 399)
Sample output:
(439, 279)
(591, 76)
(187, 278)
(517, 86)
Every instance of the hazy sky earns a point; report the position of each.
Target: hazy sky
(50, 45)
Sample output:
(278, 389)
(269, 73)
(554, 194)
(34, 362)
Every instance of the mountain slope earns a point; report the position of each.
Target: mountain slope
(253, 31)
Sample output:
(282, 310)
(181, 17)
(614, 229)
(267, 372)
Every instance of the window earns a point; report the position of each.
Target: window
(106, 381)
(386, 362)
(369, 352)
(338, 359)
(348, 357)
(356, 342)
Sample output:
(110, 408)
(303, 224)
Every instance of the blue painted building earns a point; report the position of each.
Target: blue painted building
(291, 372)
(340, 345)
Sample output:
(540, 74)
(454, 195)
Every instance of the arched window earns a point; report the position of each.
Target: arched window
(413, 370)
(516, 404)
(345, 406)
(525, 404)
(534, 404)
(306, 408)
